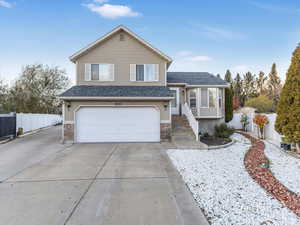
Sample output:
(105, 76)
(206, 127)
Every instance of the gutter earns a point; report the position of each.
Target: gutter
(198, 86)
(114, 98)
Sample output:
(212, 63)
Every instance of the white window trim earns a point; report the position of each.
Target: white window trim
(146, 81)
(216, 100)
(189, 98)
(200, 99)
(90, 76)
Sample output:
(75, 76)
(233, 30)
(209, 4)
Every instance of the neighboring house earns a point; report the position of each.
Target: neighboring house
(122, 93)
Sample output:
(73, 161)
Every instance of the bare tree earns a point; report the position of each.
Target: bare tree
(261, 83)
(3, 96)
(37, 89)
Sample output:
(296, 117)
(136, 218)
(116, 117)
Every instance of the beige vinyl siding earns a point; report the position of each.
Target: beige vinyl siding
(164, 113)
(122, 54)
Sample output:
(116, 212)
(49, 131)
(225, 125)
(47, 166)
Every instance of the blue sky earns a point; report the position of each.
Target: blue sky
(200, 35)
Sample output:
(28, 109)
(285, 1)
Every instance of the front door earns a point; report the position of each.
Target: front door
(175, 102)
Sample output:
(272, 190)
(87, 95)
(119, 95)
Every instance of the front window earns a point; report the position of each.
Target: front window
(95, 72)
(204, 97)
(174, 101)
(146, 72)
(220, 97)
(212, 97)
(208, 97)
(192, 98)
(102, 72)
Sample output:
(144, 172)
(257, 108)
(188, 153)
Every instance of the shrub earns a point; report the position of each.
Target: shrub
(261, 121)
(223, 131)
(262, 104)
(245, 121)
(205, 134)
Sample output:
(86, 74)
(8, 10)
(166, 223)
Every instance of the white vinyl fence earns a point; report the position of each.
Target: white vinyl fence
(270, 132)
(30, 122)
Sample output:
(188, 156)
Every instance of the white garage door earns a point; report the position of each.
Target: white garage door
(117, 124)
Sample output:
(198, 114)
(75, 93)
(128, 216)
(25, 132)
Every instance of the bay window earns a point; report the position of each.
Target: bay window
(212, 97)
(220, 97)
(204, 97)
(193, 98)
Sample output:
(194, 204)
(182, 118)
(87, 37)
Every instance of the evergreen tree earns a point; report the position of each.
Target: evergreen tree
(238, 87)
(228, 97)
(274, 85)
(288, 111)
(261, 83)
(228, 78)
(228, 105)
(249, 90)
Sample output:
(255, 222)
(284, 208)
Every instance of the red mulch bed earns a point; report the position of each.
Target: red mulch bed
(254, 160)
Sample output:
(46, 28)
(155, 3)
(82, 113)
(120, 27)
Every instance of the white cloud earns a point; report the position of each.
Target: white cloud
(6, 4)
(101, 1)
(273, 7)
(188, 61)
(184, 53)
(217, 33)
(199, 58)
(112, 11)
(241, 69)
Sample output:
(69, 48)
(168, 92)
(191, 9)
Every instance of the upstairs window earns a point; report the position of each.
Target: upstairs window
(144, 72)
(99, 72)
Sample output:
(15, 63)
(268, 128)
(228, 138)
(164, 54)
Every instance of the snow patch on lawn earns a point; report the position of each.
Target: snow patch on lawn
(285, 168)
(225, 191)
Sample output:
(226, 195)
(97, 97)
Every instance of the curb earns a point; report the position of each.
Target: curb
(221, 146)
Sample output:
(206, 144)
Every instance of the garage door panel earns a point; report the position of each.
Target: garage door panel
(117, 124)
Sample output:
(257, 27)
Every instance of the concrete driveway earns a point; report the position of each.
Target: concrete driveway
(44, 182)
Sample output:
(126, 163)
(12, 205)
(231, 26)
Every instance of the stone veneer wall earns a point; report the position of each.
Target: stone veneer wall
(68, 133)
(165, 131)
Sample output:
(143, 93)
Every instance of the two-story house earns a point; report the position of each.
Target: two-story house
(123, 93)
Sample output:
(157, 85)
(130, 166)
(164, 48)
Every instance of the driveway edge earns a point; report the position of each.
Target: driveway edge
(191, 214)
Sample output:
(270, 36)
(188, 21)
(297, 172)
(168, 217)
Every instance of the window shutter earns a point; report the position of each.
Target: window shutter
(132, 72)
(87, 75)
(111, 72)
(156, 72)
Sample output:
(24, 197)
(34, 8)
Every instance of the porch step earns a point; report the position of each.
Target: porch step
(181, 127)
(183, 136)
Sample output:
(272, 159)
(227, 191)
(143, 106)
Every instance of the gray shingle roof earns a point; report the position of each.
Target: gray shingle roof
(117, 91)
(194, 78)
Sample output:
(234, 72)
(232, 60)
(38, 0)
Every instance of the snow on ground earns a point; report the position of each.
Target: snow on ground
(285, 168)
(225, 191)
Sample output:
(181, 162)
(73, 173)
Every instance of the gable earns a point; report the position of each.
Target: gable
(116, 32)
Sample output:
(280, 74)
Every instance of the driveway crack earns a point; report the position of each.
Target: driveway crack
(92, 182)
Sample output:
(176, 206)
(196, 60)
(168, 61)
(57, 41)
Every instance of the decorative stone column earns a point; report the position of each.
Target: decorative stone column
(68, 133)
(165, 131)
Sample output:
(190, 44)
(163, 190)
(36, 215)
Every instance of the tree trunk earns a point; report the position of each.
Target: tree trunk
(298, 148)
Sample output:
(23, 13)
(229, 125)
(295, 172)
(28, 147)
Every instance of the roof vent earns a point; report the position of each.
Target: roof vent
(122, 37)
